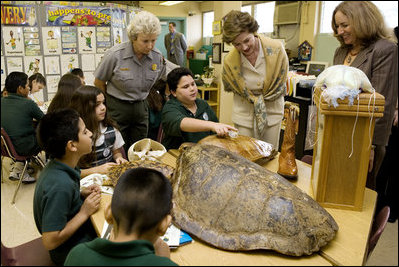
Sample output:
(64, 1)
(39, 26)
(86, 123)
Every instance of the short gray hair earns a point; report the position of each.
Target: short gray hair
(143, 22)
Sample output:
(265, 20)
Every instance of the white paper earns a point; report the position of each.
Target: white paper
(52, 65)
(14, 64)
(13, 41)
(88, 62)
(68, 63)
(52, 85)
(87, 40)
(33, 64)
(89, 77)
(172, 236)
(51, 40)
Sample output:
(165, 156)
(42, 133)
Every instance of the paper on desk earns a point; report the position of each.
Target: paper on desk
(98, 179)
(106, 232)
(172, 236)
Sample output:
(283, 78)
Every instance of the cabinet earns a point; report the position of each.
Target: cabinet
(211, 95)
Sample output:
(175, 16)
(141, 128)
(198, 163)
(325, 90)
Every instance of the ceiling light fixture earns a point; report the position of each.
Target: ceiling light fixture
(170, 3)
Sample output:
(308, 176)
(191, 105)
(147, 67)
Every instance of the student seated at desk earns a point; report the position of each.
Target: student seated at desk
(140, 214)
(186, 118)
(36, 83)
(17, 115)
(89, 101)
(60, 210)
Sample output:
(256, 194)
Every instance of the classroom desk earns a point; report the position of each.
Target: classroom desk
(347, 248)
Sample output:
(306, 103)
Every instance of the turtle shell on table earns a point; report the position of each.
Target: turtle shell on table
(253, 149)
(116, 171)
(234, 204)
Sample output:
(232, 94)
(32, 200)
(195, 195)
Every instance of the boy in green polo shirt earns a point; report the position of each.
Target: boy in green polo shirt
(140, 214)
(186, 118)
(60, 210)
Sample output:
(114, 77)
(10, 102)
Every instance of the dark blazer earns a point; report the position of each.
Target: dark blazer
(180, 46)
(379, 61)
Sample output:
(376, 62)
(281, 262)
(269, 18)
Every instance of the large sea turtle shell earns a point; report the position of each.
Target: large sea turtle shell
(235, 204)
(253, 149)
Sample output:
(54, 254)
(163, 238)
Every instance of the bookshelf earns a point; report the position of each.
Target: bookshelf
(211, 95)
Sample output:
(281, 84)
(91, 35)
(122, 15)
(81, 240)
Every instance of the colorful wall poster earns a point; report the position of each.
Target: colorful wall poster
(3, 72)
(51, 40)
(69, 40)
(18, 15)
(32, 41)
(33, 64)
(78, 16)
(13, 41)
(89, 77)
(14, 64)
(52, 65)
(99, 57)
(52, 85)
(117, 34)
(68, 63)
(103, 39)
(87, 40)
(88, 62)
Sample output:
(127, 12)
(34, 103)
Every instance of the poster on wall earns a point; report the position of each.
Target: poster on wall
(88, 62)
(87, 40)
(52, 85)
(14, 64)
(99, 57)
(103, 39)
(3, 72)
(13, 41)
(18, 15)
(52, 65)
(68, 63)
(33, 64)
(77, 16)
(32, 41)
(89, 77)
(51, 40)
(117, 35)
(69, 40)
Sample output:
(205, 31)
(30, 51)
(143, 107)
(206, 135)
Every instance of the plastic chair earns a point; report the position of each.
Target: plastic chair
(8, 150)
(380, 221)
(32, 253)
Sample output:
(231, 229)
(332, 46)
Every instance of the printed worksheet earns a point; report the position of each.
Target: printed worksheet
(89, 77)
(51, 40)
(14, 64)
(99, 57)
(33, 64)
(52, 85)
(87, 40)
(68, 63)
(88, 62)
(32, 41)
(13, 41)
(52, 64)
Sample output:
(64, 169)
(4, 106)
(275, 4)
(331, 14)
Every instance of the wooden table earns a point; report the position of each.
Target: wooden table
(347, 248)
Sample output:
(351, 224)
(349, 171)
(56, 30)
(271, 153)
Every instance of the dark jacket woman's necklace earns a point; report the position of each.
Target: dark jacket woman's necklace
(349, 60)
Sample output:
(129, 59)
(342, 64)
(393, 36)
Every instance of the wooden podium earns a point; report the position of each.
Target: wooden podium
(338, 181)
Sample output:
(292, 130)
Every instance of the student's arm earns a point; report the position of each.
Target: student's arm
(102, 85)
(118, 156)
(52, 240)
(195, 125)
(103, 169)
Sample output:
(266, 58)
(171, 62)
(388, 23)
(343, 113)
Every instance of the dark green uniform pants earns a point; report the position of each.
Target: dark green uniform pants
(131, 117)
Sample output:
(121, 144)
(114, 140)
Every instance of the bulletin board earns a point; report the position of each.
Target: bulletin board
(52, 37)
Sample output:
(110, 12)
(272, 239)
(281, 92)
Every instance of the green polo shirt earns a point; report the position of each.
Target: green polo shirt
(56, 201)
(17, 114)
(174, 112)
(102, 252)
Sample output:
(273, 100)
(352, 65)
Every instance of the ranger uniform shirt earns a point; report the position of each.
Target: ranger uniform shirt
(127, 77)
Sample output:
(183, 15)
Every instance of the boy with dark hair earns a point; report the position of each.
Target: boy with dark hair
(17, 114)
(79, 72)
(60, 210)
(140, 214)
(186, 118)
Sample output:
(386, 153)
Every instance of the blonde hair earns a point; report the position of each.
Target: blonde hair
(366, 21)
(236, 22)
(143, 22)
